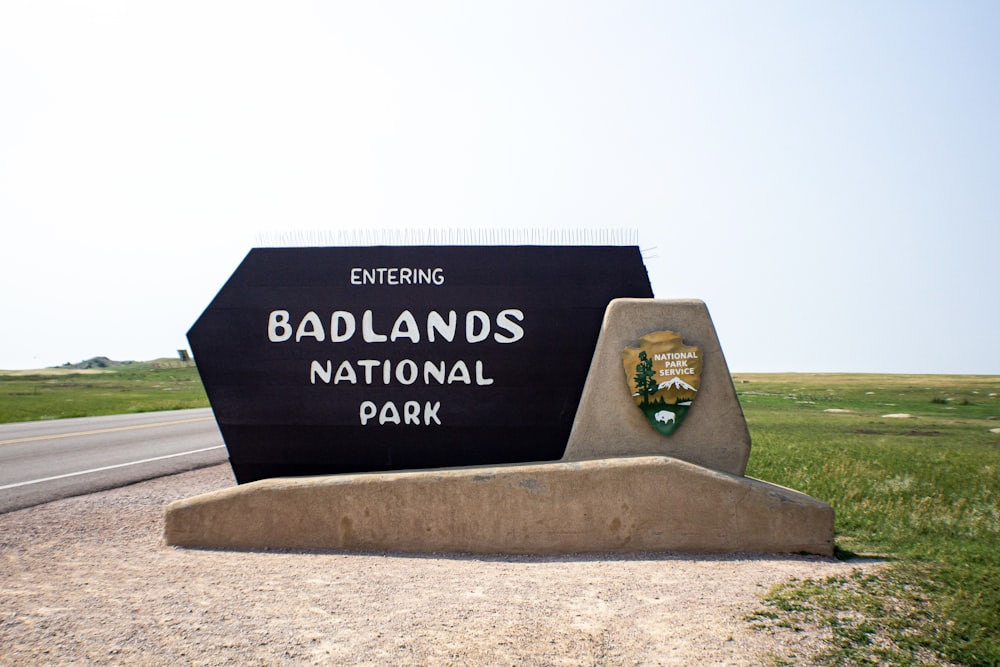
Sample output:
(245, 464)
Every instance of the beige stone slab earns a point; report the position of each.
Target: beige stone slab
(625, 504)
(608, 424)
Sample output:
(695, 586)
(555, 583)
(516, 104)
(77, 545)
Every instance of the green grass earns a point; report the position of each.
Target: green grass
(921, 492)
(163, 384)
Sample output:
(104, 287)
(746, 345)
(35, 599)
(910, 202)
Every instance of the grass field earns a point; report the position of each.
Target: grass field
(920, 492)
(57, 393)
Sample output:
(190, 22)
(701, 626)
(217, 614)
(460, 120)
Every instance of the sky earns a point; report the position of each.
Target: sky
(824, 175)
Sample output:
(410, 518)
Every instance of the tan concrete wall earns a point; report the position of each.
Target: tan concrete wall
(607, 422)
(621, 486)
(626, 504)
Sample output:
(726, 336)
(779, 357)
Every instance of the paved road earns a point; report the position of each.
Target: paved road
(46, 460)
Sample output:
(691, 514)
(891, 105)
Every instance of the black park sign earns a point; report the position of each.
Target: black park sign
(346, 359)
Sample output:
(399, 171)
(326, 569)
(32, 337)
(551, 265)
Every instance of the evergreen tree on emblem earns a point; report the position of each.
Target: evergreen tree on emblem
(645, 378)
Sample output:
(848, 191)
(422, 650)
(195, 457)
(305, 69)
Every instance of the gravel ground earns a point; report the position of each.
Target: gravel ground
(87, 580)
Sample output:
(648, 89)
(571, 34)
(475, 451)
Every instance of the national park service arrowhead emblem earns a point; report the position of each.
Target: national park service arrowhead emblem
(663, 376)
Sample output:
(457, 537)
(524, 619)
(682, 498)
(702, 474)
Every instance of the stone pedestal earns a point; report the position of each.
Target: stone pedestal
(607, 422)
(621, 486)
(622, 504)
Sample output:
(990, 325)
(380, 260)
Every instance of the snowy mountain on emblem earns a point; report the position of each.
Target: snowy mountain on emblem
(675, 383)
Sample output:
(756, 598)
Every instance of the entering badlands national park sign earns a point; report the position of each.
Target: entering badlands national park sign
(663, 376)
(326, 360)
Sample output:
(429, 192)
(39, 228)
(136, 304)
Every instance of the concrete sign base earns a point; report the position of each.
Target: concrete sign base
(621, 504)
(607, 423)
(621, 485)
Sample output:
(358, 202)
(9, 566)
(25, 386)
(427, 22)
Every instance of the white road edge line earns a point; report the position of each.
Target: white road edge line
(117, 465)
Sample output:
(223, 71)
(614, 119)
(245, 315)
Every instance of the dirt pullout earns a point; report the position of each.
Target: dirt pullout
(87, 580)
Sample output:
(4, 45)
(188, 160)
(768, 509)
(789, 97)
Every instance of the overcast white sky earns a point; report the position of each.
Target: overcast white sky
(826, 176)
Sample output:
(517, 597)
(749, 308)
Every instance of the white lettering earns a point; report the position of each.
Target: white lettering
(411, 412)
(471, 318)
(345, 372)
(368, 410)
(667, 356)
(436, 323)
(368, 331)
(430, 369)
(505, 322)
(459, 373)
(278, 328)
(480, 380)
(368, 365)
(388, 413)
(385, 275)
(310, 326)
(406, 371)
(324, 373)
(410, 330)
(343, 326)
(341, 318)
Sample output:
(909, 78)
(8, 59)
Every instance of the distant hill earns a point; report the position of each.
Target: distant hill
(96, 362)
